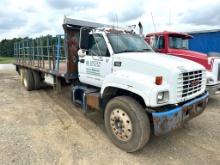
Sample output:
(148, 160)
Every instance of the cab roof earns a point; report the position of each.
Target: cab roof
(75, 23)
(182, 35)
(82, 23)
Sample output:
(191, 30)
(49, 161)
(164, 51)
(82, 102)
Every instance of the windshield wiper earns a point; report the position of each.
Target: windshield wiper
(142, 50)
(179, 48)
(146, 50)
(126, 50)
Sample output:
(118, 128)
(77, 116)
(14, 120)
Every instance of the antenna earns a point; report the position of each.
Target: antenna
(153, 22)
(169, 20)
(116, 17)
(156, 43)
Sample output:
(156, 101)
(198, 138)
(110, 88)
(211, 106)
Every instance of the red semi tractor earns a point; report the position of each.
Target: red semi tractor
(176, 44)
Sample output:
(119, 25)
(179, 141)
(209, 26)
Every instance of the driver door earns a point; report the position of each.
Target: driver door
(97, 63)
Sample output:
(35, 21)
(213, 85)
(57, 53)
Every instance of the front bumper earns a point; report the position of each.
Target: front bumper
(213, 89)
(174, 117)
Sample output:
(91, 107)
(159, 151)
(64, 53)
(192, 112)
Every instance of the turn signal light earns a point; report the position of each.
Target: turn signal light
(158, 80)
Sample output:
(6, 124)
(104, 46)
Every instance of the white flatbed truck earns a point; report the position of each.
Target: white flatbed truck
(112, 69)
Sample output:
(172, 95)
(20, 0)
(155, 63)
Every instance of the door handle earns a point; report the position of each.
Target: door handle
(82, 60)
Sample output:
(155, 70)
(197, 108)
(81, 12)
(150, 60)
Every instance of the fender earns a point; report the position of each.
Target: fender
(137, 83)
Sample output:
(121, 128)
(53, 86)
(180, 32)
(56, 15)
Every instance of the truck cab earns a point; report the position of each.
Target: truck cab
(176, 44)
(126, 72)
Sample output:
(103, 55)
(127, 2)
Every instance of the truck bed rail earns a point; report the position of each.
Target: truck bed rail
(45, 53)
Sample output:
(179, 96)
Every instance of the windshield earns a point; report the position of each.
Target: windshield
(127, 43)
(213, 54)
(178, 43)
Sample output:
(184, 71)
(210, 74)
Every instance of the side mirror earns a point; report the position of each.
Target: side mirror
(82, 52)
(84, 38)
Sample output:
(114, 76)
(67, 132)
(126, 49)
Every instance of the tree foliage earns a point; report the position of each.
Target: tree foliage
(7, 46)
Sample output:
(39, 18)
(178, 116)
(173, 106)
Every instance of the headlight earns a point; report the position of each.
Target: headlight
(162, 97)
(210, 81)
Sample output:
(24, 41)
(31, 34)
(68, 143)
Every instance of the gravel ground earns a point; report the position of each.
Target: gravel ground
(40, 127)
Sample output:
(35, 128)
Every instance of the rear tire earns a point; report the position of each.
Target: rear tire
(127, 124)
(22, 74)
(28, 80)
(37, 80)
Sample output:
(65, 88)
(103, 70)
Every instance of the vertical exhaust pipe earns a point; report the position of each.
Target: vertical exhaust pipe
(140, 29)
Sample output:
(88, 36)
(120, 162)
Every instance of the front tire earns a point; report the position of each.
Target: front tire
(127, 124)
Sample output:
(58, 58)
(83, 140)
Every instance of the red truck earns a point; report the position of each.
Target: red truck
(176, 44)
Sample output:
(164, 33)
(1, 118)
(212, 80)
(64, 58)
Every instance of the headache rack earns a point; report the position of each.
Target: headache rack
(190, 83)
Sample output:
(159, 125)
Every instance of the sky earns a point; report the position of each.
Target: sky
(33, 18)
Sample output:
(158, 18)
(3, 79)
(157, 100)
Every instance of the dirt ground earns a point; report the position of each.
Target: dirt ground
(40, 127)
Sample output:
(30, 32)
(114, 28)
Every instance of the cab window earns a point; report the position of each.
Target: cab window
(159, 42)
(178, 42)
(97, 46)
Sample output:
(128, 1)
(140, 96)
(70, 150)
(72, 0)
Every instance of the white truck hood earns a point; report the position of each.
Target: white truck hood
(143, 67)
(160, 60)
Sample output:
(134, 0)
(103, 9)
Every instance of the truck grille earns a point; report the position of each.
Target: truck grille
(218, 72)
(190, 83)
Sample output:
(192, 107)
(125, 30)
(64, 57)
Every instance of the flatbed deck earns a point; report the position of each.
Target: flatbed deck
(45, 67)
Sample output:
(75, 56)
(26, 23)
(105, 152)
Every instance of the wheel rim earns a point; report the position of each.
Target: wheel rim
(121, 124)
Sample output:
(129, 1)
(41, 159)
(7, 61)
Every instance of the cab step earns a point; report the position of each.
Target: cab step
(87, 97)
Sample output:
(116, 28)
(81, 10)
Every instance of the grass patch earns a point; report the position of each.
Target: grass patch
(6, 60)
